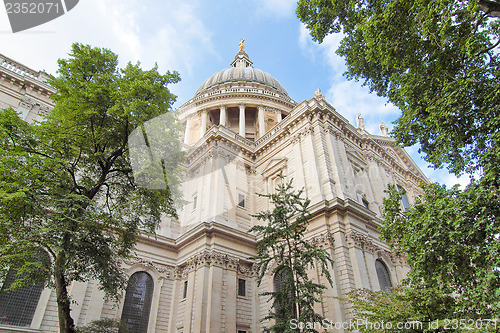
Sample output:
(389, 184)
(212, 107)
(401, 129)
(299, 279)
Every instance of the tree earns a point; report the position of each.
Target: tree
(411, 309)
(438, 61)
(67, 188)
(283, 252)
(451, 240)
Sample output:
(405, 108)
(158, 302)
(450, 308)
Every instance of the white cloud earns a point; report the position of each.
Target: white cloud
(306, 44)
(452, 180)
(351, 98)
(169, 32)
(348, 97)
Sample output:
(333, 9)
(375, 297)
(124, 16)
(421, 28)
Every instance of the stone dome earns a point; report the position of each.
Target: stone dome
(241, 70)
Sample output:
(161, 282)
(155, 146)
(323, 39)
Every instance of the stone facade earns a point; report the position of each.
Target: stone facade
(242, 129)
(24, 90)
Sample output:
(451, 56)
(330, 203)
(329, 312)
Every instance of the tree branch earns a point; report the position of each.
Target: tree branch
(489, 48)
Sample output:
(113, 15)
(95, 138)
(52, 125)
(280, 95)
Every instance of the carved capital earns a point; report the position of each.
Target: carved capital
(324, 240)
(356, 239)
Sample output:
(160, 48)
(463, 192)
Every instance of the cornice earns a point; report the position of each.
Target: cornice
(205, 258)
(214, 229)
(365, 243)
(315, 116)
(21, 77)
(231, 94)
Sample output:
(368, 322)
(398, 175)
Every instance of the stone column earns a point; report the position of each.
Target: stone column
(279, 115)
(77, 291)
(200, 306)
(203, 129)
(187, 133)
(222, 120)
(214, 301)
(262, 124)
(230, 306)
(242, 120)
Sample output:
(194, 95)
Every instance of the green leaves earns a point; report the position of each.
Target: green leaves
(283, 252)
(450, 239)
(404, 309)
(435, 60)
(66, 184)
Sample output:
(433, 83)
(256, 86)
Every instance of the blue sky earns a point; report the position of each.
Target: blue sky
(199, 38)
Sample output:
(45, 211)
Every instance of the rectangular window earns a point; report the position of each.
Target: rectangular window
(404, 198)
(241, 200)
(185, 293)
(195, 199)
(242, 288)
(241, 331)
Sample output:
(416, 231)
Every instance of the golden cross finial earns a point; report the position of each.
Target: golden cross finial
(242, 46)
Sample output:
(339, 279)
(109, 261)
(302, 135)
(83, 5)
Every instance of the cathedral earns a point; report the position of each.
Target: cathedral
(241, 129)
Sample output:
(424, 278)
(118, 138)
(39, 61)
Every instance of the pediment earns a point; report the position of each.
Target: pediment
(356, 158)
(274, 166)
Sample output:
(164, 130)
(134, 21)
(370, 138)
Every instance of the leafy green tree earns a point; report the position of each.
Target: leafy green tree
(411, 309)
(67, 188)
(450, 238)
(438, 61)
(106, 325)
(283, 252)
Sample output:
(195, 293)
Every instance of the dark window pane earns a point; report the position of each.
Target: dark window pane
(404, 198)
(185, 293)
(284, 305)
(17, 307)
(366, 204)
(242, 287)
(241, 200)
(384, 279)
(138, 302)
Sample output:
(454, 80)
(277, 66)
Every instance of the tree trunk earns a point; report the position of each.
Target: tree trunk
(66, 323)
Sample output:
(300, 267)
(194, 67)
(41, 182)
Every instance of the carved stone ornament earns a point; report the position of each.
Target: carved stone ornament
(27, 103)
(324, 240)
(395, 259)
(248, 270)
(318, 95)
(361, 241)
(209, 258)
(165, 270)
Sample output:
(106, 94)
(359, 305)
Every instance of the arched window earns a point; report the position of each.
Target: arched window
(138, 302)
(283, 304)
(279, 279)
(384, 279)
(17, 307)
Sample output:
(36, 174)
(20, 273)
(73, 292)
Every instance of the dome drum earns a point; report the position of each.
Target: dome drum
(241, 98)
(250, 121)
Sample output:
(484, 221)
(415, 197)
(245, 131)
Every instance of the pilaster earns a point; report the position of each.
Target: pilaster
(262, 124)
(223, 115)
(242, 120)
(203, 128)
